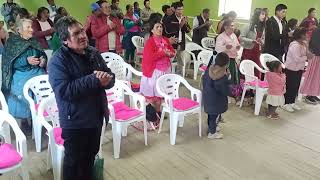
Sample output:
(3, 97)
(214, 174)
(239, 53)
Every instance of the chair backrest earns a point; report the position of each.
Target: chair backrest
(120, 69)
(205, 56)
(191, 46)
(264, 58)
(7, 121)
(188, 38)
(4, 105)
(48, 109)
(109, 56)
(168, 84)
(208, 43)
(49, 54)
(116, 93)
(40, 88)
(247, 69)
(138, 42)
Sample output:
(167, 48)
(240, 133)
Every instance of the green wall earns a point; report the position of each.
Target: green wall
(296, 8)
(81, 8)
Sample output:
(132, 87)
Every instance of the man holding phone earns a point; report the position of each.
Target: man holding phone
(175, 28)
(79, 76)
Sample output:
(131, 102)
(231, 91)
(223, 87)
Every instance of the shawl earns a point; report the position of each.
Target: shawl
(13, 48)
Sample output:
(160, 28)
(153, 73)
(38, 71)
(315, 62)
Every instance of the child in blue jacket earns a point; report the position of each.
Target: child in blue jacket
(215, 92)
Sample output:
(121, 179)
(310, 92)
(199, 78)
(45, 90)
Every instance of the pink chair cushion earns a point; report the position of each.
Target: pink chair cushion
(45, 114)
(184, 104)
(125, 113)
(57, 132)
(8, 156)
(203, 68)
(262, 84)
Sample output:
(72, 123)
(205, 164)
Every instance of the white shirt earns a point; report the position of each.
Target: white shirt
(180, 32)
(45, 26)
(52, 11)
(111, 36)
(196, 22)
(279, 24)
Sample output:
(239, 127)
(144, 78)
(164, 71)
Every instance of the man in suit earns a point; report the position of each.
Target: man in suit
(177, 26)
(274, 38)
(201, 25)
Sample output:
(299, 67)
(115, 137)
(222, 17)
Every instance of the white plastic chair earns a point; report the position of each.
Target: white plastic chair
(204, 58)
(264, 58)
(3, 102)
(109, 56)
(123, 71)
(138, 42)
(48, 111)
(168, 87)
(40, 88)
(49, 54)
(191, 46)
(21, 147)
(188, 38)
(208, 43)
(252, 82)
(117, 109)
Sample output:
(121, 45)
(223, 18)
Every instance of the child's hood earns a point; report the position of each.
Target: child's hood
(216, 72)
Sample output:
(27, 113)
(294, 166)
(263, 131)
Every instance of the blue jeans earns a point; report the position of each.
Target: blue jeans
(213, 121)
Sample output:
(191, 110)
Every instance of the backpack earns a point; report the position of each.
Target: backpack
(151, 113)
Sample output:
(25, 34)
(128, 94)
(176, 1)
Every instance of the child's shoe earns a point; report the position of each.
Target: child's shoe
(288, 108)
(295, 107)
(215, 136)
(273, 116)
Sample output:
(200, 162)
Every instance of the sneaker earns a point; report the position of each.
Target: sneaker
(295, 107)
(273, 116)
(218, 129)
(288, 108)
(310, 100)
(316, 99)
(215, 136)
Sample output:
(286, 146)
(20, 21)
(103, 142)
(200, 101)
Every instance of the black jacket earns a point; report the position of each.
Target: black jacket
(81, 100)
(274, 41)
(200, 33)
(171, 28)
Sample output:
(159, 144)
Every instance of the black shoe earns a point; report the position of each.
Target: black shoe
(311, 100)
(26, 128)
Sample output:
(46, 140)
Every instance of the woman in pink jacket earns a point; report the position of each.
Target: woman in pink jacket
(297, 56)
(277, 87)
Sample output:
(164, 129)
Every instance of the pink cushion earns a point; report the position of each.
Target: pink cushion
(125, 113)
(183, 104)
(8, 156)
(45, 114)
(262, 84)
(57, 132)
(203, 68)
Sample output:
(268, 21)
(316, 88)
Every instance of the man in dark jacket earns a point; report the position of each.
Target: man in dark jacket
(79, 77)
(201, 25)
(177, 26)
(215, 92)
(274, 38)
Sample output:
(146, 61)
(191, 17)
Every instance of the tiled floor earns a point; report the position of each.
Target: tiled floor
(254, 148)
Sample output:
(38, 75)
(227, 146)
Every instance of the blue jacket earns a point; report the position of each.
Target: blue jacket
(215, 92)
(81, 99)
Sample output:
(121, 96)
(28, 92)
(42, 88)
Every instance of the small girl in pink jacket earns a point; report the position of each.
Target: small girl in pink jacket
(277, 87)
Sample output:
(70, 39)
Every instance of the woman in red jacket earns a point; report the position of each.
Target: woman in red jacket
(106, 30)
(43, 28)
(156, 62)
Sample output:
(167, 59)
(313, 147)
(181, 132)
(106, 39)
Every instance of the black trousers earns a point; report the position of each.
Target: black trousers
(271, 109)
(293, 79)
(81, 147)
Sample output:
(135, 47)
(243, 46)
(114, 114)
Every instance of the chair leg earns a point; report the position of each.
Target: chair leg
(60, 165)
(37, 136)
(24, 172)
(181, 120)
(259, 98)
(145, 132)
(200, 82)
(243, 94)
(200, 121)
(195, 71)
(161, 121)
(116, 133)
(183, 70)
(173, 127)
(49, 162)
(124, 130)
(102, 138)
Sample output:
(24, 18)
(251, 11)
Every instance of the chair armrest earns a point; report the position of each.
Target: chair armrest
(196, 94)
(134, 71)
(21, 140)
(29, 99)
(137, 98)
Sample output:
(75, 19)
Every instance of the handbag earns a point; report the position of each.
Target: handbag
(98, 168)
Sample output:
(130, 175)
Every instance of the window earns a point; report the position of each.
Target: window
(241, 7)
